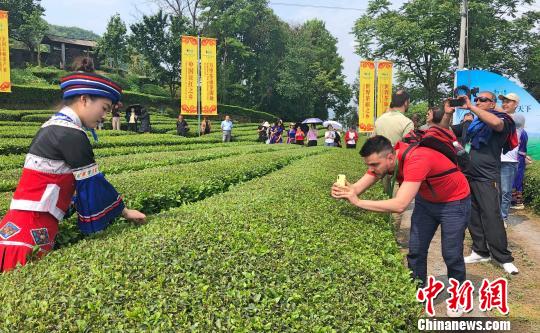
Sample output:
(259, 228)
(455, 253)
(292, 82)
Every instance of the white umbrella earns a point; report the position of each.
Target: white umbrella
(334, 124)
(312, 121)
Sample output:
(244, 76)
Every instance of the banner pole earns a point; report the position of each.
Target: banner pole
(376, 90)
(199, 99)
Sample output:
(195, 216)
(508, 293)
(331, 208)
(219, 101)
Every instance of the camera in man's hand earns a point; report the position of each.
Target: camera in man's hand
(456, 102)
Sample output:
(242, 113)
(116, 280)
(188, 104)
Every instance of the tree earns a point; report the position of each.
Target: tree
(251, 42)
(182, 8)
(310, 76)
(31, 32)
(18, 13)
(157, 39)
(25, 23)
(253, 45)
(348, 115)
(529, 73)
(422, 39)
(113, 44)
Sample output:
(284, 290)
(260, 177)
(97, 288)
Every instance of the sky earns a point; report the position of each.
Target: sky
(339, 22)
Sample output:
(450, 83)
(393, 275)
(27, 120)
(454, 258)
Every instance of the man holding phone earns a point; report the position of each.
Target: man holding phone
(440, 190)
(490, 133)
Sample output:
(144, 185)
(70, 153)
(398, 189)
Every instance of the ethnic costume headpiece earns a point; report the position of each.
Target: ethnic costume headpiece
(82, 83)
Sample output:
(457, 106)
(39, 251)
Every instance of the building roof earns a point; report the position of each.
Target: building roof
(79, 42)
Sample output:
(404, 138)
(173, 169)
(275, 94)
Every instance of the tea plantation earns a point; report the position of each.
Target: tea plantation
(240, 237)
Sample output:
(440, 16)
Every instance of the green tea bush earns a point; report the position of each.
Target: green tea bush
(26, 76)
(29, 97)
(21, 145)
(531, 186)
(257, 258)
(16, 161)
(51, 75)
(129, 163)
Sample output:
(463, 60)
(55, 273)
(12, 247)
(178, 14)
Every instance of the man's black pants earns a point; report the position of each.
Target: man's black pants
(486, 226)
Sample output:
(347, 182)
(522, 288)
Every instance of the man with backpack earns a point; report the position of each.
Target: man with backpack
(490, 133)
(427, 172)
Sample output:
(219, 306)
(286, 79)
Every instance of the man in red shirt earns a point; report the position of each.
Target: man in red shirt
(440, 190)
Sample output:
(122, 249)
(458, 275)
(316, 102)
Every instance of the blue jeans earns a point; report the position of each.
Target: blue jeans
(508, 174)
(427, 216)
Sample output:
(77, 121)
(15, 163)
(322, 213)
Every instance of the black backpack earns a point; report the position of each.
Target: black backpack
(437, 139)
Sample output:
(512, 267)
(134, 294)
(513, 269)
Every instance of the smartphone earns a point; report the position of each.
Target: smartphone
(341, 180)
(456, 102)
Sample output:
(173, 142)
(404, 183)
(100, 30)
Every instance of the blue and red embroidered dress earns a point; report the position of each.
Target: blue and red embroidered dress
(59, 164)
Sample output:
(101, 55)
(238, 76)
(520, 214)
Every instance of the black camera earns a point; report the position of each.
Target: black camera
(456, 102)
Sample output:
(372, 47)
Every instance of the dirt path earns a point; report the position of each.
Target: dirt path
(524, 288)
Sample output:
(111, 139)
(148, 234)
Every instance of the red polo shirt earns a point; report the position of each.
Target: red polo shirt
(421, 163)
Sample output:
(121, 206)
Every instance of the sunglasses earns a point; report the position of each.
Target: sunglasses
(482, 99)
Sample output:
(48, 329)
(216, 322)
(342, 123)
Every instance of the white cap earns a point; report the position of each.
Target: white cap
(511, 96)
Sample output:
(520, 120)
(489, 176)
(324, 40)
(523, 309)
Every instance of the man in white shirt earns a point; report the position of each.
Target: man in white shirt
(509, 161)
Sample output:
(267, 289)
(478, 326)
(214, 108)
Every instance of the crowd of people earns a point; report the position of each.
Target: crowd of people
(137, 118)
(463, 176)
(302, 134)
(182, 127)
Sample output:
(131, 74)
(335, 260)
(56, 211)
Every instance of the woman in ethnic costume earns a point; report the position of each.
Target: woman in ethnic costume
(59, 164)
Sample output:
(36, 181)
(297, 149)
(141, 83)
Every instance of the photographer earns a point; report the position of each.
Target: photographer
(489, 134)
(440, 190)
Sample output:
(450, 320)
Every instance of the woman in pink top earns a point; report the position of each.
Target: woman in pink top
(351, 137)
(312, 136)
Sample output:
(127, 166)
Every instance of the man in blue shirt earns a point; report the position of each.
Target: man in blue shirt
(226, 127)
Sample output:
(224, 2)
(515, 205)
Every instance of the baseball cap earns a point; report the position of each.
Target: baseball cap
(510, 96)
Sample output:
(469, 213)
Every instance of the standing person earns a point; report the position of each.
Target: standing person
(393, 124)
(300, 136)
(144, 118)
(206, 126)
(226, 127)
(131, 118)
(312, 135)
(181, 126)
(291, 134)
(509, 161)
(276, 132)
(116, 116)
(351, 138)
(439, 199)
(329, 137)
(429, 118)
(337, 139)
(100, 124)
(59, 164)
(489, 134)
(263, 131)
(517, 195)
